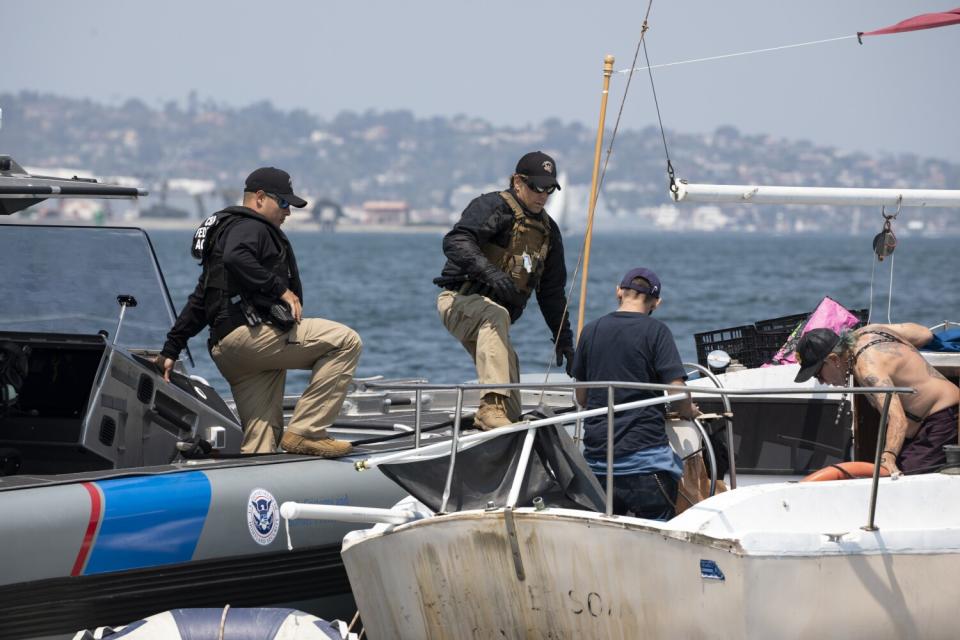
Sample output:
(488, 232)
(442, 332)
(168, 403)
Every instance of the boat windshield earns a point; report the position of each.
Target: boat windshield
(67, 279)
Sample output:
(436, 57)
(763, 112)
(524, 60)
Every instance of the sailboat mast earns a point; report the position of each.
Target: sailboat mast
(607, 72)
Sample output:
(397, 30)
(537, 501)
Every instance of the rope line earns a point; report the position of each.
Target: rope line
(890, 290)
(873, 271)
(734, 55)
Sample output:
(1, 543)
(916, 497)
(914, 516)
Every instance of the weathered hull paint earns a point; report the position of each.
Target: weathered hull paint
(587, 576)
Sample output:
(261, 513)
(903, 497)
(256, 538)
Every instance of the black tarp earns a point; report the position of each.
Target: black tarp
(484, 473)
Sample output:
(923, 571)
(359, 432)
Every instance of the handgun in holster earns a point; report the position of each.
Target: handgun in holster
(250, 313)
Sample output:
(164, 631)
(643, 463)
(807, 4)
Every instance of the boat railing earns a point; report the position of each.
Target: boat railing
(946, 325)
(673, 393)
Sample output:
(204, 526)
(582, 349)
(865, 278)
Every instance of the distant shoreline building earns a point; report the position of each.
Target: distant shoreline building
(386, 212)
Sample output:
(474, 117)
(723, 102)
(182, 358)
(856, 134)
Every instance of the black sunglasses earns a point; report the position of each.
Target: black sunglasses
(283, 204)
(547, 190)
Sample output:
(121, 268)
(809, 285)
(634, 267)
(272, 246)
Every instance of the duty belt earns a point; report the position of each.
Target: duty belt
(222, 330)
(234, 318)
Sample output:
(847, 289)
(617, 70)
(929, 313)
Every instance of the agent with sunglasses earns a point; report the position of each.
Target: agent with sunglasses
(250, 295)
(504, 248)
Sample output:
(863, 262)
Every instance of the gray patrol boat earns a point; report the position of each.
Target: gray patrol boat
(124, 495)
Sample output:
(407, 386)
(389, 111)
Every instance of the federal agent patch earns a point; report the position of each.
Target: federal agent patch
(263, 516)
(200, 237)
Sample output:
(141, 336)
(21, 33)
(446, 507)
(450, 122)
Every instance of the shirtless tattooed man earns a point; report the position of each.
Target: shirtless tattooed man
(885, 355)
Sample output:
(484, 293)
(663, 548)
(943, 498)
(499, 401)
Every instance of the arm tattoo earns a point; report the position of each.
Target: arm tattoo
(894, 349)
(877, 399)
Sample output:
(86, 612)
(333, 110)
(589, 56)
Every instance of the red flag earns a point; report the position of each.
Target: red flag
(916, 23)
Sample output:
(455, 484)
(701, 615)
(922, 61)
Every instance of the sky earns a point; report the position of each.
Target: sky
(513, 62)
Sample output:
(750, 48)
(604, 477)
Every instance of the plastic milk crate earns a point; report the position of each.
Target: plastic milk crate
(772, 334)
(753, 345)
(740, 342)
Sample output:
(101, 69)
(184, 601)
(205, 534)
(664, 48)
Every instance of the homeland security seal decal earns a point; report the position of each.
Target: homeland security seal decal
(263, 516)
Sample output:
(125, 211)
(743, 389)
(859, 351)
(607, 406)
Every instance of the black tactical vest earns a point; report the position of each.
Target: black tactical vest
(222, 293)
(525, 257)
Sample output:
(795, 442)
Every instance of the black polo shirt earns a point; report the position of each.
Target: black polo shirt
(626, 346)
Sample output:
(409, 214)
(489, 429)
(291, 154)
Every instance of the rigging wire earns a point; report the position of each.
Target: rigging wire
(583, 245)
(623, 101)
(734, 55)
(663, 135)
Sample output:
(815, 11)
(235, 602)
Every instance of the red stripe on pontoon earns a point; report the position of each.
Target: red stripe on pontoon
(96, 509)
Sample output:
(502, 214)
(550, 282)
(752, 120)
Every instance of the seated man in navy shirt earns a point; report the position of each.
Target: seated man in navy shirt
(630, 346)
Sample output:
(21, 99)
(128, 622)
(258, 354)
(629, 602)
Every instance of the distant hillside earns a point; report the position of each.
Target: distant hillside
(392, 155)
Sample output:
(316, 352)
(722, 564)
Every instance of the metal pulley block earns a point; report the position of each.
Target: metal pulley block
(884, 242)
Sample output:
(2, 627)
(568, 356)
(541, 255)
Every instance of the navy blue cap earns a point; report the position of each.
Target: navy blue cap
(646, 274)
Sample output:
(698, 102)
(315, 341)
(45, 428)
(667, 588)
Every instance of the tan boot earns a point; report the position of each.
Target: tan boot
(325, 447)
(492, 413)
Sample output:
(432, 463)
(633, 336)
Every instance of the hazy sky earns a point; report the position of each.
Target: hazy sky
(512, 62)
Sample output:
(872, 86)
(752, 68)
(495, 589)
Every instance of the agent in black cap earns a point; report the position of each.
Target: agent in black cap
(885, 355)
(275, 184)
(631, 346)
(249, 294)
(538, 171)
(504, 248)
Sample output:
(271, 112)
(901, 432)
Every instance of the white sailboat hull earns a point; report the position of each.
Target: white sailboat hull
(587, 576)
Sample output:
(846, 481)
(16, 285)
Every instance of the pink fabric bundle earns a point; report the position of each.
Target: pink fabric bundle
(829, 314)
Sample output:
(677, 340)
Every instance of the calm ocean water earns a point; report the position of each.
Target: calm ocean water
(380, 284)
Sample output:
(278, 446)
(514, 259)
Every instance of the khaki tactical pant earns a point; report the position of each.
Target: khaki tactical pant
(483, 328)
(254, 360)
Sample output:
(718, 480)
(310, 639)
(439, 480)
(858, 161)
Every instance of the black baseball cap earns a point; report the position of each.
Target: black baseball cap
(275, 181)
(540, 169)
(646, 274)
(812, 350)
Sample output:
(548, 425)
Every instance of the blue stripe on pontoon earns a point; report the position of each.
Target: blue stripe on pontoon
(149, 521)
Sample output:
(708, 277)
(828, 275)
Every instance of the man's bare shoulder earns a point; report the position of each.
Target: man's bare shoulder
(870, 328)
(879, 335)
(911, 333)
(874, 355)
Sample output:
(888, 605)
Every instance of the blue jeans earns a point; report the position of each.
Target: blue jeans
(651, 496)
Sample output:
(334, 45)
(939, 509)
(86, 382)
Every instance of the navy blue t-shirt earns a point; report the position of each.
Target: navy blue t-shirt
(626, 346)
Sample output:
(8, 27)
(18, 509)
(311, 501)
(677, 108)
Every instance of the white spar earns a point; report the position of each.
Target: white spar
(732, 193)
(300, 511)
